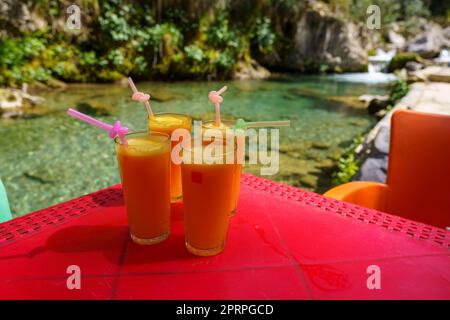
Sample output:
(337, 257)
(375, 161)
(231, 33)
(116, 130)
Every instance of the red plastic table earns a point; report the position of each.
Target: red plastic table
(284, 243)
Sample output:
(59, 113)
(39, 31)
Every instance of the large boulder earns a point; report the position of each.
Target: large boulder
(378, 104)
(16, 103)
(374, 168)
(396, 39)
(18, 16)
(429, 43)
(321, 40)
(252, 70)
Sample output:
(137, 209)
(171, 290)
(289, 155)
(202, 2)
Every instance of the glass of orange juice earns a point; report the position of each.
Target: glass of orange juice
(167, 123)
(144, 165)
(207, 198)
(228, 124)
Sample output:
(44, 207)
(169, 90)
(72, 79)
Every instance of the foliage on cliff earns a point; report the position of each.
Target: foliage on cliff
(164, 39)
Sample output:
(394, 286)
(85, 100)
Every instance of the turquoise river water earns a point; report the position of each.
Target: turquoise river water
(53, 158)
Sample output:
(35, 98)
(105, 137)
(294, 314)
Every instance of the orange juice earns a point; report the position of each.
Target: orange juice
(144, 164)
(167, 123)
(226, 124)
(207, 204)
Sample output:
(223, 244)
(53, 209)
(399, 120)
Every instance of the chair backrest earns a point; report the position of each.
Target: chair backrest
(419, 167)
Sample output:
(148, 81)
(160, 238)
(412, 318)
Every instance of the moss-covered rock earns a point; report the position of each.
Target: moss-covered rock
(400, 60)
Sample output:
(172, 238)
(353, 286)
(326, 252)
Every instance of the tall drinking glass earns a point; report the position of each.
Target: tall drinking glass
(167, 123)
(144, 164)
(227, 124)
(207, 198)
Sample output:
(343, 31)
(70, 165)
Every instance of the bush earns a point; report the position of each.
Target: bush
(399, 91)
(348, 165)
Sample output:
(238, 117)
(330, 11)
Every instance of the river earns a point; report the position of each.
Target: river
(53, 158)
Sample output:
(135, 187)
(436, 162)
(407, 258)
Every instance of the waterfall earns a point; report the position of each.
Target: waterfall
(371, 68)
(376, 68)
(444, 57)
(380, 61)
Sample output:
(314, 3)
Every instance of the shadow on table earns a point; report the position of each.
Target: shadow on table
(115, 244)
(110, 197)
(113, 241)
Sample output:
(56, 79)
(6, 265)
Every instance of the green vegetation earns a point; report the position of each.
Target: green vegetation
(400, 60)
(399, 91)
(169, 39)
(348, 164)
(407, 10)
(125, 37)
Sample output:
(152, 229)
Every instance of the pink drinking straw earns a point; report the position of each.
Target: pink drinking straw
(214, 97)
(141, 97)
(114, 130)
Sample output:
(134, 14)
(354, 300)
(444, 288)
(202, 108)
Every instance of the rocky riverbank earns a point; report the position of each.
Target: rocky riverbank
(430, 97)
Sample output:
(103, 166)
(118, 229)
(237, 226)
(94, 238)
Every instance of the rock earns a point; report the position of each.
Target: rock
(18, 16)
(56, 84)
(319, 145)
(94, 108)
(446, 33)
(19, 103)
(164, 95)
(325, 164)
(252, 70)
(42, 175)
(377, 105)
(433, 73)
(398, 41)
(374, 168)
(321, 39)
(350, 101)
(10, 99)
(413, 66)
(401, 59)
(429, 43)
(308, 181)
(368, 97)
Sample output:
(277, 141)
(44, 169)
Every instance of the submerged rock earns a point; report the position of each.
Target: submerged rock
(319, 145)
(305, 92)
(94, 108)
(164, 96)
(350, 101)
(308, 181)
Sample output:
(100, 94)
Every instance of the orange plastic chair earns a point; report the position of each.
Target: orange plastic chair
(418, 177)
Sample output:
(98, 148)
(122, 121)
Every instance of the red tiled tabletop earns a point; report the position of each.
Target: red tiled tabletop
(284, 243)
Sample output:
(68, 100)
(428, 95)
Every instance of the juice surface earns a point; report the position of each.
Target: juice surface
(167, 123)
(145, 171)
